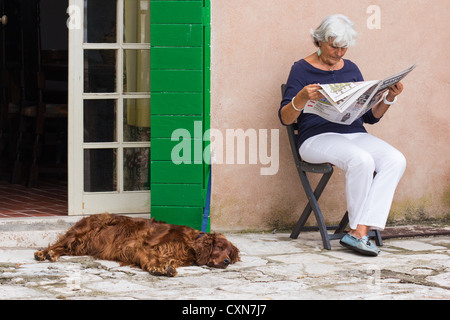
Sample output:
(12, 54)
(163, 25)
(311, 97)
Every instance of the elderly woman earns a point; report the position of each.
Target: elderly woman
(349, 147)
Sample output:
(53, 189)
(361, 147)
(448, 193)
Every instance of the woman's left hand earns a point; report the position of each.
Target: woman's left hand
(380, 108)
(394, 91)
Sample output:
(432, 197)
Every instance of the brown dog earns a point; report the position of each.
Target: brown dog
(156, 247)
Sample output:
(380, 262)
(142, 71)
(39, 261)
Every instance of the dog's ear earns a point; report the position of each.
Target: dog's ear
(203, 247)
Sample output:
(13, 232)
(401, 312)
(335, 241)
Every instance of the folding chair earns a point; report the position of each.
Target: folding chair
(326, 170)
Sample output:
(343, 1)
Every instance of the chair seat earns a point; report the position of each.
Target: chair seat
(316, 168)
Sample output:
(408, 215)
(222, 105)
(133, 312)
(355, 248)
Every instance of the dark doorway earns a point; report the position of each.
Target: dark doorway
(33, 104)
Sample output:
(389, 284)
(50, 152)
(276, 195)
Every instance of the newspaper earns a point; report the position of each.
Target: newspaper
(346, 102)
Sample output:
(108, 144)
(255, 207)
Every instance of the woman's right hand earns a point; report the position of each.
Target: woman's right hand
(310, 92)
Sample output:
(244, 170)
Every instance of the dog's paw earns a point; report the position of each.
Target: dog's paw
(52, 256)
(39, 255)
(168, 271)
(171, 271)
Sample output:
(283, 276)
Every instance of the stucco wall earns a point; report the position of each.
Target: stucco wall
(254, 44)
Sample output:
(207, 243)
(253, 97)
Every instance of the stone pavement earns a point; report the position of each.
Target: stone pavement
(273, 267)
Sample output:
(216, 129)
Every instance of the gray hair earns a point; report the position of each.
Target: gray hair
(338, 27)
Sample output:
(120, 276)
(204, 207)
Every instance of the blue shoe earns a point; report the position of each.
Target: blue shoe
(363, 245)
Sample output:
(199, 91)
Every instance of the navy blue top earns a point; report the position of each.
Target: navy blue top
(303, 74)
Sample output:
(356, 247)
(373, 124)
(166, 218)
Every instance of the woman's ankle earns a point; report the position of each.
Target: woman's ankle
(360, 231)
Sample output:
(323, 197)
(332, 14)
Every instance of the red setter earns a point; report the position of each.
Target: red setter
(154, 246)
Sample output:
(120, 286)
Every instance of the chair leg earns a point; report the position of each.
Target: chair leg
(343, 224)
(320, 223)
(310, 195)
(322, 226)
(378, 239)
(301, 222)
(313, 205)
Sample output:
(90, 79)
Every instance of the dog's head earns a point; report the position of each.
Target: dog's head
(214, 250)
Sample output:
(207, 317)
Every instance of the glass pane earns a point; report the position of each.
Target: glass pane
(136, 72)
(100, 21)
(99, 71)
(136, 120)
(100, 170)
(136, 173)
(136, 21)
(100, 121)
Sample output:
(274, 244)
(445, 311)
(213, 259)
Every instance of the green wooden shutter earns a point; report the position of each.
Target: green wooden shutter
(180, 99)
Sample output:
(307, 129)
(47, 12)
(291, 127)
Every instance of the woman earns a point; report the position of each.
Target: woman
(349, 147)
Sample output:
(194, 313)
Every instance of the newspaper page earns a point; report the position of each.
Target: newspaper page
(337, 92)
(346, 102)
(385, 84)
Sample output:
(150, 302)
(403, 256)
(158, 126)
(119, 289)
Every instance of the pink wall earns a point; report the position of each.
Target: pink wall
(254, 44)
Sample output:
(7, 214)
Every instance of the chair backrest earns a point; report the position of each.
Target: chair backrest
(292, 131)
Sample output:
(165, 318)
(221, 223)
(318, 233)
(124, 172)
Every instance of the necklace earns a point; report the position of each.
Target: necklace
(326, 65)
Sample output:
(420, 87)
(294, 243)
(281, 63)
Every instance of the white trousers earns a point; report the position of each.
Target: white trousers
(369, 199)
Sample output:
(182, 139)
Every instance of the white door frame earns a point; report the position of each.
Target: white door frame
(79, 201)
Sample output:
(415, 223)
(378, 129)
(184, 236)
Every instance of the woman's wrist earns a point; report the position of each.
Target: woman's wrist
(293, 105)
(387, 99)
